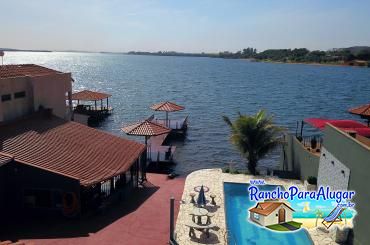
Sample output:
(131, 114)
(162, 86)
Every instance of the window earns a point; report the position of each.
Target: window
(18, 95)
(256, 216)
(6, 97)
(37, 198)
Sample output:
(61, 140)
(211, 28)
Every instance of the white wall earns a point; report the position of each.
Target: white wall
(260, 221)
(330, 171)
(50, 92)
(273, 218)
(19, 107)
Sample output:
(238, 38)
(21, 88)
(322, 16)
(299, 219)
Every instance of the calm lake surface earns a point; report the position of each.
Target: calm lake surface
(209, 88)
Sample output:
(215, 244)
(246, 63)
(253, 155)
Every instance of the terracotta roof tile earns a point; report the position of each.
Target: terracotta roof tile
(146, 128)
(167, 106)
(88, 95)
(7, 71)
(363, 110)
(5, 158)
(266, 208)
(69, 148)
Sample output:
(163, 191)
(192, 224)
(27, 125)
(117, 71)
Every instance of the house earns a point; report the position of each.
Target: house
(26, 88)
(271, 213)
(341, 162)
(49, 164)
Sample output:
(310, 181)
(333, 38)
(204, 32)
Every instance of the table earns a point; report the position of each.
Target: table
(199, 212)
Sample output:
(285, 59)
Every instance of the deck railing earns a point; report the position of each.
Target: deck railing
(313, 142)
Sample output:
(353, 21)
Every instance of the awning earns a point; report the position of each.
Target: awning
(345, 125)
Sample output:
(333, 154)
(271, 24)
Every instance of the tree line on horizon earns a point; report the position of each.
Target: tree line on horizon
(342, 55)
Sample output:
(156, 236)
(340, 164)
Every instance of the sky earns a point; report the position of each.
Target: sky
(184, 26)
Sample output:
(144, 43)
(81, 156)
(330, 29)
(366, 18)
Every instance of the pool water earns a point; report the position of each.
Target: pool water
(241, 231)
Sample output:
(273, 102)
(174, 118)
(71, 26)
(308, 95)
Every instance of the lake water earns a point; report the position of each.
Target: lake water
(209, 88)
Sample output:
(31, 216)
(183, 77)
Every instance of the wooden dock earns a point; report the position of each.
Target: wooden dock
(159, 153)
(177, 125)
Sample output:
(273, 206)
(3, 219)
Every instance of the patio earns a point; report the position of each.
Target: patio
(144, 219)
(214, 179)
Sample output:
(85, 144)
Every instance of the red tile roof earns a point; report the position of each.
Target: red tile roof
(266, 208)
(88, 95)
(363, 110)
(146, 128)
(7, 71)
(5, 158)
(68, 148)
(167, 106)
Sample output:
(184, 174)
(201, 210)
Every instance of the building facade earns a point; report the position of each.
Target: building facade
(50, 164)
(26, 88)
(342, 163)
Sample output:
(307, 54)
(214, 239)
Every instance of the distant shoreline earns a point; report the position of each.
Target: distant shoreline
(308, 63)
(353, 63)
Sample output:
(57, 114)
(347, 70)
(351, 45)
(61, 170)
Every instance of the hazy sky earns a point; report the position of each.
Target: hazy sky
(188, 25)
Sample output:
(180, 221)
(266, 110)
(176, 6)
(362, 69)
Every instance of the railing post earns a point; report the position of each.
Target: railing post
(172, 222)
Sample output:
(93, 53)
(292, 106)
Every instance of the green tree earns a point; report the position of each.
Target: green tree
(254, 136)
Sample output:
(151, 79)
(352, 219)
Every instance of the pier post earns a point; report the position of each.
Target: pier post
(172, 222)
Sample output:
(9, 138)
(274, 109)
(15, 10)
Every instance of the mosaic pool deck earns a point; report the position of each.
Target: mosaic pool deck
(214, 179)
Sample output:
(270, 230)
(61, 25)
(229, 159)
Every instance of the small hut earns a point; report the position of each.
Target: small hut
(92, 104)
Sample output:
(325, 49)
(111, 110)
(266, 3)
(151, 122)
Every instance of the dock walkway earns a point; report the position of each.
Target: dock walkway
(157, 152)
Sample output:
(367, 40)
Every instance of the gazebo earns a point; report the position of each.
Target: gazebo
(96, 113)
(167, 106)
(92, 96)
(147, 129)
(363, 111)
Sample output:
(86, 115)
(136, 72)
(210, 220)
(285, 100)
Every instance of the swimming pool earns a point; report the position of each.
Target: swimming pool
(242, 232)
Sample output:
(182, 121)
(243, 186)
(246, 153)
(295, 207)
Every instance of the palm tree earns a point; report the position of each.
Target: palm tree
(319, 214)
(254, 136)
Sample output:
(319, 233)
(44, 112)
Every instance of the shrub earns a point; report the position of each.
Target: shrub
(234, 171)
(226, 170)
(312, 180)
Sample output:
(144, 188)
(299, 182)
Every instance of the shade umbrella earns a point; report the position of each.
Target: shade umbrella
(363, 111)
(145, 128)
(201, 201)
(167, 106)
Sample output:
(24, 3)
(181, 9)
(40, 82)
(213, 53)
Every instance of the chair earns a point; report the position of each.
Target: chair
(209, 216)
(334, 216)
(202, 228)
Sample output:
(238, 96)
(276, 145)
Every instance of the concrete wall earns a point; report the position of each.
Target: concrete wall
(14, 108)
(332, 172)
(356, 157)
(48, 91)
(297, 159)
